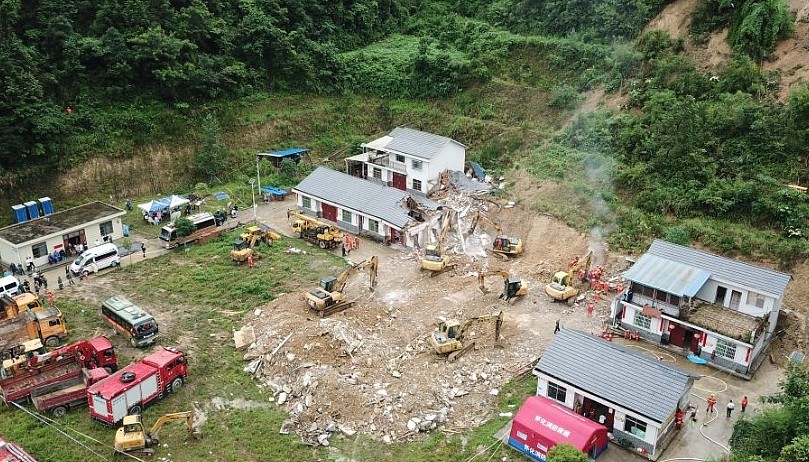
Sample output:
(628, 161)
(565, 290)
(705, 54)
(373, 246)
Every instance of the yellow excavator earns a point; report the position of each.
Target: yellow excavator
(502, 245)
(133, 437)
(449, 338)
(244, 246)
(562, 286)
(435, 260)
(513, 286)
(315, 231)
(329, 297)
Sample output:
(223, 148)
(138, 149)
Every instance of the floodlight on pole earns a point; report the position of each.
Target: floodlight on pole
(253, 192)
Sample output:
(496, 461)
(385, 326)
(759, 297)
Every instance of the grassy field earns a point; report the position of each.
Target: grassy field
(200, 298)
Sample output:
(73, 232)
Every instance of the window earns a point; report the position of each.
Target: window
(105, 228)
(400, 158)
(373, 226)
(416, 164)
(378, 173)
(641, 320)
(417, 185)
(646, 291)
(754, 298)
(635, 427)
(557, 392)
(674, 300)
(660, 295)
(306, 202)
(346, 216)
(725, 349)
(39, 250)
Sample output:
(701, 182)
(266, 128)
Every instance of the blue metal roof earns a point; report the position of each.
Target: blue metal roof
(667, 275)
(284, 153)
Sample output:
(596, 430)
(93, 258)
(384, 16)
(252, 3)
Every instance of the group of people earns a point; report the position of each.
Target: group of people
(349, 243)
(729, 408)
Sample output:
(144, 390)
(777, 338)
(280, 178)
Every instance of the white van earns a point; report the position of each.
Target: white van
(96, 259)
(9, 285)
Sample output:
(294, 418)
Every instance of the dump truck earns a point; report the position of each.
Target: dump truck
(62, 396)
(47, 325)
(34, 368)
(130, 389)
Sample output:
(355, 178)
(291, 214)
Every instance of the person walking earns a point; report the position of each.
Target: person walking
(711, 403)
(60, 283)
(44, 281)
(250, 261)
(70, 278)
(143, 249)
(730, 407)
(744, 404)
(556, 329)
(343, 248)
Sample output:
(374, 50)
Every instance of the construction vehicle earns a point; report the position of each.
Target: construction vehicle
(132, 436)
(502, 245)
(513, 287)
(33, 368)
(46, 324)
(435, 260)
(11, 452)
(315, 231)
(449, 339)
(329, 297)
(561, 287)
(61, 396)
(244, 246)
(137, 385)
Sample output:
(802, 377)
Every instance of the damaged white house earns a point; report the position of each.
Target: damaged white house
(368, 208)
(723, 310)
(407, 159)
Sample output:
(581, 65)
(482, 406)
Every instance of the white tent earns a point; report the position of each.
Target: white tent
(153, 205)
(174, 201)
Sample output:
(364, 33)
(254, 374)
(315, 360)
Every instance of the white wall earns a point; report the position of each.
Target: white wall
(452, 157)
(655, 327)
(741, 348)
(708, 293)
(652, 428)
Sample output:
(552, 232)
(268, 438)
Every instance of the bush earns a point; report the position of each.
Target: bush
(184, 226)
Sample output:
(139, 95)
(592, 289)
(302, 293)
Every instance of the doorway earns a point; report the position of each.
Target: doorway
(399, 181)
(598, 412)
(735, 299)
(721, 293)
(330, 212)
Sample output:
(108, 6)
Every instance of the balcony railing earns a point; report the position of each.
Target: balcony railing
(386, 162)
(642, 300)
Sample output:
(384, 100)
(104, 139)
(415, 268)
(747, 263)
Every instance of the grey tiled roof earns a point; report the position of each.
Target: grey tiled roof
(724, 269)
(364, 196)
(417, 143)
(615, 373)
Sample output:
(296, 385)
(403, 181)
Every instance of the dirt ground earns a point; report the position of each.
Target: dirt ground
(370, 368)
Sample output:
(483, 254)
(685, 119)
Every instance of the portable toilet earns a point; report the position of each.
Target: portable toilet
(19, 213)
(47, 205)
(33, 210)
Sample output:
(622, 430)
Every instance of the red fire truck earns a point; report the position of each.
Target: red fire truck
(129, 390)
(32, 369)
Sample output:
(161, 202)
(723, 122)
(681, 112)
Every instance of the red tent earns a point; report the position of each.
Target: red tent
(542, 423)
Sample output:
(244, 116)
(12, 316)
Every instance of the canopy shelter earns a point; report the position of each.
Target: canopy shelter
(296, 154)
(542, 423)
(154, 205)
(175, 201)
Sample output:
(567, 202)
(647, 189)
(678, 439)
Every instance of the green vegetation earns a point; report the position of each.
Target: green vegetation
(186, 286)
(566, 453)
(780, 433)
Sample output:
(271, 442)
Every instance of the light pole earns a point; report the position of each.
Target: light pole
(253, 192)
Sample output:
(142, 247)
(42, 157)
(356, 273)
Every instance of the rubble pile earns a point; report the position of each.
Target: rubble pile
(333, 376)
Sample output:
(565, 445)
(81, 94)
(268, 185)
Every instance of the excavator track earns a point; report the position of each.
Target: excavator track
(446, 268)
(336, 308)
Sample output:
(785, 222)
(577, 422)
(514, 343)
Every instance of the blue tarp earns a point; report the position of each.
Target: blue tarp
(273, 190)
(292, 152)
(220, 196)
(480, 174)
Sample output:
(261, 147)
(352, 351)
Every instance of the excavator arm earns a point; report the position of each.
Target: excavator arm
(482, 275)
(188, 416)
(581, 263)
(372, 264)
(477, 216)
(496, 318)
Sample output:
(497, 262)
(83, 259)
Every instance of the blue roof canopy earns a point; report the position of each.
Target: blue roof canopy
(284, 153)
(666, 275)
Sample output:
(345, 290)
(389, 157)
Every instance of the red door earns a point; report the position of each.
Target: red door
(399, 181)
(394, 236)
(677, 335)
(329, 212)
